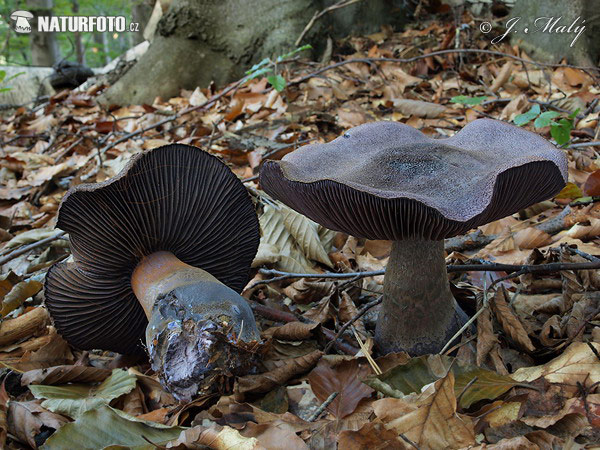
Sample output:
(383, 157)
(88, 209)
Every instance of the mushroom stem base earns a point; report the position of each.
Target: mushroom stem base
(198, 336)
(419, 313)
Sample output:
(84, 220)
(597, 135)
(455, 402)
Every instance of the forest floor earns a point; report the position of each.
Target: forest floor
(528, 378)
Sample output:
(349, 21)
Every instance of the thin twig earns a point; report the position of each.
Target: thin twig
(321, 408)
(204, 105)
(427, 55)
(487, 267)
(24, 249)
(316, 16)
(361, 312)
(282, 316)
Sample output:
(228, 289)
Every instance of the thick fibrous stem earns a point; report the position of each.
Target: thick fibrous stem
(199, 332)
(419, 314)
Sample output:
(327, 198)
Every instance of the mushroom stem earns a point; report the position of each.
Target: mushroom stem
(199, 332)
(419, 313)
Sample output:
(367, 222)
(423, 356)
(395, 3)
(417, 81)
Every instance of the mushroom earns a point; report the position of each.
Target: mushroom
(387, 180)
(165, 246)
(22, 19)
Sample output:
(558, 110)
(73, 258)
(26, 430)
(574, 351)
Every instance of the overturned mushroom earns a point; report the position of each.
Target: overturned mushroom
(386, 180)
(165, 246)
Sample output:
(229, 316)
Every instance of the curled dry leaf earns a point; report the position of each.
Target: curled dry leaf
(430, 419)
(304, 291)
(371, 435)
(295, 331)
(344, 377)
(509, 321)
(27, 420)
(275, 435)
(18, 294)
(277, 377)
(576, 364)
(216, 437)
(531, 238)
(486, 339)
(64, 375)
(419, 108)
(347, 311)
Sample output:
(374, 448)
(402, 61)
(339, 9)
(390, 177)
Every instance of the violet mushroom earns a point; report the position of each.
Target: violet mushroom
(387, 180)
(163, 248)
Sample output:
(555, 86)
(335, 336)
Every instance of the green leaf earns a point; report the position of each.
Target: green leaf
(545, 119)
(527, 117)
(105, 426)
(260, 72)
(561, 131)
(277, 81)
(257, 66)
(74, 399)
(465, 100)
(12, 77)
(418, 372)
(574, 113)
(2, 75)
(293, 52)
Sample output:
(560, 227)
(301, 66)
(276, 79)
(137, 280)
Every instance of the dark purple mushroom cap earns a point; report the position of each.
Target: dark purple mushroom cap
(176, 198)
(387, 180)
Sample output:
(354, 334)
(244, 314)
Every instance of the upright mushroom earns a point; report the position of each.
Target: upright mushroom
(165, 246)
(387, 180)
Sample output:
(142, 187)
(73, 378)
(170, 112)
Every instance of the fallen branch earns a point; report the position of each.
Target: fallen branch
(24, 249)
(477, 239)
(486, 267)
(321, 408)
(361, 312)
(436, 53)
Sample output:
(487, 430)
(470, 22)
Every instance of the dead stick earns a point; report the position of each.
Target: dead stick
(361, 312)
(321, 408)
(22, 250)
(427, 55)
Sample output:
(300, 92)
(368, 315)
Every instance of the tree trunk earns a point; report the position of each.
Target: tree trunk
(44, 46)
(141, 12)
(199, 41)
(549, 39)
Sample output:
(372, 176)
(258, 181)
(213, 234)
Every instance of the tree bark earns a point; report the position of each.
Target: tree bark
(44, 46)
(546, 42)
(201, 41)
(419, 314)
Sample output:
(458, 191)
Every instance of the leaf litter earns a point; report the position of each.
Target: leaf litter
(528, 378)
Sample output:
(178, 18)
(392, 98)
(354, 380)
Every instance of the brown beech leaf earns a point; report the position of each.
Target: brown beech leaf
(295, 331)
(509, 321)
(576, 364)
(343, 377)
(486, 339)
(277, 377)
(592, 184)
(372, 435)
(347, 311)
(429, 419)
(65, 374)
(26, 420)
(419, 108)
(216, 438)
(276, 435)
(321, 312)
(531, 238)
